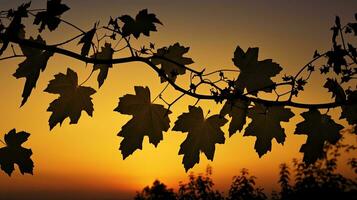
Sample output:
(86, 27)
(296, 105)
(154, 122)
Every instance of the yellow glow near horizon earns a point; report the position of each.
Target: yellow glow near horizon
(85, 156)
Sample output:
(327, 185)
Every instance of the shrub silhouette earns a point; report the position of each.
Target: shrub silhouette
(240, 95)
(243, 188)
(309, 181)
(158, 191)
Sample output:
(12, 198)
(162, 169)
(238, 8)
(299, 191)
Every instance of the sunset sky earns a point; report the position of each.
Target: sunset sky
(82, 161)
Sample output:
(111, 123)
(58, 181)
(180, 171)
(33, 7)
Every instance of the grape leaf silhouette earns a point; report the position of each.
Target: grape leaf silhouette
(349, 112)
(203, 134)
(142, 24)
(86, 40)
(148, 119)
(14, 153)
(30, 68)
(266, 126)
(254, 74)
(175, 53)
(237, 110)
(73, 98)
(106, 54)
(337, 91)
(319, 129)
(50, 17)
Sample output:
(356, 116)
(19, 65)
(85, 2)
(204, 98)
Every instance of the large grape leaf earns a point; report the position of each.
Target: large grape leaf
(50, 17)
(73, 98)
(237, 110)
(14, 153)
(319, 129)
(254, 75)
(349, 112)
(106, 54)
(266, 126)
(35, 62)
(203, 134)
(148, 120)
(175, 53)
(143, 23)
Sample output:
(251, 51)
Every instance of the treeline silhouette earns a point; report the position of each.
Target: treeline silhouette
(297, 181)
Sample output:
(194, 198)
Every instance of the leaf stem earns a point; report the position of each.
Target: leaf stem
(90, 75)
(162, 91)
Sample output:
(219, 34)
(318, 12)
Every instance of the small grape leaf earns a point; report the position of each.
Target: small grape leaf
(106, 54)
(203, 134)
(143, 23)
(319, 129)
(349, 112)
(50, 17)
(337, 91)
(148, 119)
(237, 110)
(73, 98)
(86, 40)
(30, 68)
(174, 53)
(14, 153)
(254, 75)
(266, 126)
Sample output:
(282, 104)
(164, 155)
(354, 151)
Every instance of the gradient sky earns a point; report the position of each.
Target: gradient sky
(83, 161)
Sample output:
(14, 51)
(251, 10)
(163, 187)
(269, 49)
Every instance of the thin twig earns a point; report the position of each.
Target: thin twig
(68, 41)
(222, 70)
(14, 56)
(162, 91)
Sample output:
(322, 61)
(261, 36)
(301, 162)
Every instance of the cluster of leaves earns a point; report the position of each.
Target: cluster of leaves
(240, 95)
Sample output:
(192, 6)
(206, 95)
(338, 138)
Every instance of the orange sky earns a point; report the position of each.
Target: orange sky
(83, 160)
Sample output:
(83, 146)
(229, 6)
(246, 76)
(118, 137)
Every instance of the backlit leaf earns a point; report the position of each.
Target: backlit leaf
(202, 136)
(86, 40)
(73, 98)
(143, 23)
(14, 153)
(266, 126)
(237, 110)
(35, 62)
(106, 54)
(337, 91)
(174, 53)
(319, 128)
(50, 17)
(148, 120)
(349, 112)
(254, 75)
